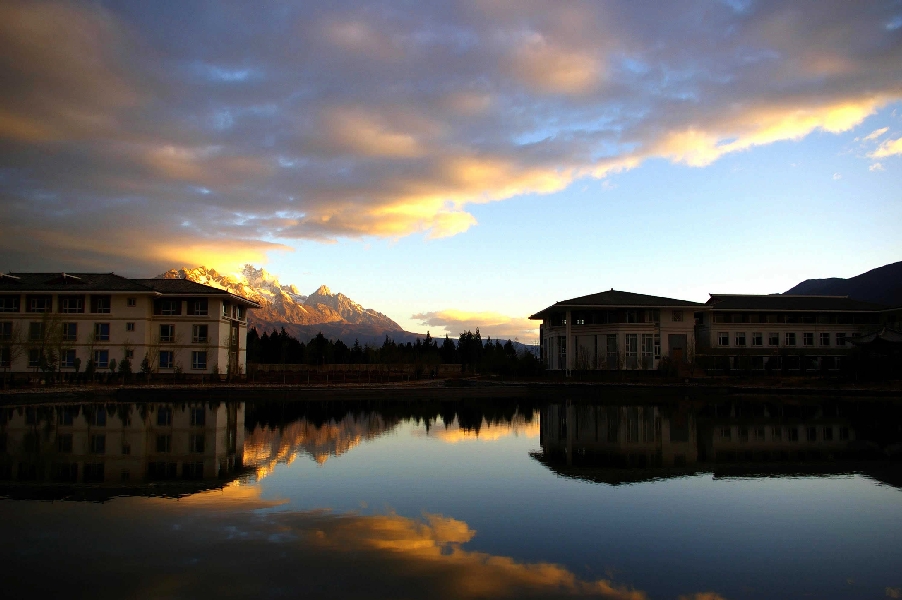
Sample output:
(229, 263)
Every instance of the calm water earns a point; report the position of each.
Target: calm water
(661, 498)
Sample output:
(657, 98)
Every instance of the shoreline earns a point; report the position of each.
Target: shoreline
(434, 390)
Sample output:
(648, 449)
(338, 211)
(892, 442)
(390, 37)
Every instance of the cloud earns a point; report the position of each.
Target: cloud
(489, 323)
(875, 134)
(837, 176)
(119, 127)
(876, 167)
(888, 148)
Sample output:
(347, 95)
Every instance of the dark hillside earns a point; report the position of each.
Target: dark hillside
(882, 285)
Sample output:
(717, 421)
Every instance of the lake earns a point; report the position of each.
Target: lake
(640, 496)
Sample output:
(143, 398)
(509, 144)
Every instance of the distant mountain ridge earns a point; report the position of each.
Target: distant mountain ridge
(335, 315)
(882, 285)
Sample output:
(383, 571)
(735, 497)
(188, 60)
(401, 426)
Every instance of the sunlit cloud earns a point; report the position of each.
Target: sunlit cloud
(876, 167)
(888, 148)
(329, 122)
(492, 324)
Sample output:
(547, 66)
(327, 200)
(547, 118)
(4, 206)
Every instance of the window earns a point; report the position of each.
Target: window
(164, 443)
(93, 472)
(5, 357)
(196, 443)
(70, 332)
(723, 338)
(130, 354)
(840, 339)
(239, 313)
(743, 434)
(164, 416)
(793, 434)
(632, 316)
(199, 334)
(67, 415)
(35, 331)
(102, 359)
(657, 346)
(579, 321)
(198, 417)
(6, 331)
(9, 304)
(759, 434)
(776, 434)
(843, 433)
(632, 343)
(166, 359)
(227, 310)
(132, 302)
(193, 470)
(807, 339)
(167, 307)
(39, 304)
(98, 443)
(99, 417)
(167, 333)
(773, 339)
(34, 357)
(811, 434)
(825, 339)
(100, 304)
(198, 307)
(129, 326)
(126, 448)
(790, 339)
(648, 349)
(828, 433)
(101, 332)
(757, 338)
(724, 433)
(199, 360)
(677, 316)
(64, 443)
(72, 304)
(740, 338)
(68, 359)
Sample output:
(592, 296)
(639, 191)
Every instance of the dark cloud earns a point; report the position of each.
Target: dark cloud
(141, 134)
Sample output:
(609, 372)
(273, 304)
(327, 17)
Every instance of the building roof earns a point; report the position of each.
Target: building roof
(68, 282)
(186, 287)
(886, 336)
(617, 299)
(790, 303)
(75, 283)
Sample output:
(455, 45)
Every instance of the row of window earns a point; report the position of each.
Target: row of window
(97, 443)
(94, 472)
(98, 417)
(102, 358)
(68, 332)
(803, 318)
(741, 339)
(102, 304)
(792, 434)
(612, 316)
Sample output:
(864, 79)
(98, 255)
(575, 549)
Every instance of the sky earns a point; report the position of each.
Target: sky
(455, 164)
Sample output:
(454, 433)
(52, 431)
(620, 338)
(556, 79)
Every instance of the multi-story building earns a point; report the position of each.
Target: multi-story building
(805, 332)
(616, 330)
(60, 321)
(121, 445)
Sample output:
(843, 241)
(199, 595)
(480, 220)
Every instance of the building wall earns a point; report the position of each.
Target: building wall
(144, 340)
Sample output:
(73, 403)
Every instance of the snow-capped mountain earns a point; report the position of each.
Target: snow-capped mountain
(335, 315)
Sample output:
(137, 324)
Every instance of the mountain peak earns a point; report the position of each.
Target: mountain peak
(323, 291)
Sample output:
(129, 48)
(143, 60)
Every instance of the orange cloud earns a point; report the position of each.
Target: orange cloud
(489, 323)
(888, 148)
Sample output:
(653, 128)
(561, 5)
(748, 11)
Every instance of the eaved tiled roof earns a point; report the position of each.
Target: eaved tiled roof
(68, 282)
(188, 287)
(617, 299)
(790, 303)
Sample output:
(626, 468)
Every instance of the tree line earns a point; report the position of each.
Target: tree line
(474, 354)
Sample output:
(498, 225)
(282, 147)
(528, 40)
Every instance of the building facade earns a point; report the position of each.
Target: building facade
(61, 321)
(616, 330)
(785, 332)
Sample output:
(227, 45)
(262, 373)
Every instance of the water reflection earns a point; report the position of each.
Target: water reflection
(97, 451)
(616, 444)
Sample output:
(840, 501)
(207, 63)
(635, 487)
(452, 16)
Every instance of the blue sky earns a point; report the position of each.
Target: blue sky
(455, 165)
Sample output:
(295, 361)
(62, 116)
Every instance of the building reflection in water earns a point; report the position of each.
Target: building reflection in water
(103, 450)
(626, 443)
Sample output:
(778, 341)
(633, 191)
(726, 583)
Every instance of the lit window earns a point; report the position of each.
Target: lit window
(723, 338)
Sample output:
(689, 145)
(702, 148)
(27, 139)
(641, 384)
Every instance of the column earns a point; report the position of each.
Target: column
(569, 341)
